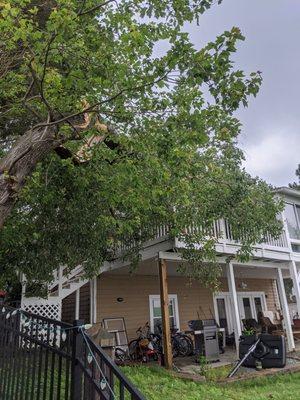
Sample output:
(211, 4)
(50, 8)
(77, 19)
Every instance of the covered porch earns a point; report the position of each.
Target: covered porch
(157, 292)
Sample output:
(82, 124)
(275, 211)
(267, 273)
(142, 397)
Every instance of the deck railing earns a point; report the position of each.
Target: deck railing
(42, 358)
(219, 229)
(268, 240)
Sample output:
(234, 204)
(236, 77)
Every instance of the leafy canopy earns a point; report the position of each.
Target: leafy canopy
(171, 156)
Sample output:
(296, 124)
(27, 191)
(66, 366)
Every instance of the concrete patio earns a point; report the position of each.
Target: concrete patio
(188, 365)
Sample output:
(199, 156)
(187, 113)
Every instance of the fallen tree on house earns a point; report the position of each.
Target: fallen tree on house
(101, 134)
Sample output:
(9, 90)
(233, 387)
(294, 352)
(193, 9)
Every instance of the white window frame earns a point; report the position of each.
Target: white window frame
(251, 296)
(172, 297)
(294, 205)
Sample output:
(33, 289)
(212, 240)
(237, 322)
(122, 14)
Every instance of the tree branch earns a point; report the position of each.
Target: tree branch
(95, 8)
(97, 104)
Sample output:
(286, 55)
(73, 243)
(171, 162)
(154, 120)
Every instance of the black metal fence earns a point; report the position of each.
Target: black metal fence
(44, 359)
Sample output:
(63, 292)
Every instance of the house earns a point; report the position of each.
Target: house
(245, 289)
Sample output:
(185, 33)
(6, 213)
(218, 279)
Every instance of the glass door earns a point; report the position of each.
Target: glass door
(222, 306)
(250, 304)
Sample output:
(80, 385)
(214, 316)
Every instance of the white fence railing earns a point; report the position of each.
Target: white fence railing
(268, 240)
(220, 230)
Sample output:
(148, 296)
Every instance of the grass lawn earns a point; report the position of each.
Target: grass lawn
(157, 384)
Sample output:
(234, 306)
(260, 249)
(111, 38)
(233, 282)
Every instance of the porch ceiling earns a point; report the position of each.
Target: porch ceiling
(149, 267)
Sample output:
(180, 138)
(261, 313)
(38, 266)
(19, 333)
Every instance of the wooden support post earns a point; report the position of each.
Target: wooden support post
(165, 316)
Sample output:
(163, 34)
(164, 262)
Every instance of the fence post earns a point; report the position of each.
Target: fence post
(77, 352)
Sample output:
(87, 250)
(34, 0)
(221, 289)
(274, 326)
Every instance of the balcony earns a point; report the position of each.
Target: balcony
(221, 231)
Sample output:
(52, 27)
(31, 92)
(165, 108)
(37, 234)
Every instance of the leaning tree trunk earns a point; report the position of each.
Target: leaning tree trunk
(20, 162)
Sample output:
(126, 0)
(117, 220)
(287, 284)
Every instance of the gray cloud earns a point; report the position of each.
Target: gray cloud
(271, 123)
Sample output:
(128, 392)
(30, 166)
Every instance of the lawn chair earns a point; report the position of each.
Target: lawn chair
(266, 324)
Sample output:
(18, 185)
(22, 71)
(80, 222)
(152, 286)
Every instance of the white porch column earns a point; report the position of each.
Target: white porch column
(93, 301)
(235, 307)
(77, 303)
(23, 283)
(296, 287)
(285, 311)
(60, 276)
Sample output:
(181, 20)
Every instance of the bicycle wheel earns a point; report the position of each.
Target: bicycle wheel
(175, 346)
(134, 350)
(121, 355)
(185, 345)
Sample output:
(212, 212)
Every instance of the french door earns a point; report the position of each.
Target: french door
(249, 303)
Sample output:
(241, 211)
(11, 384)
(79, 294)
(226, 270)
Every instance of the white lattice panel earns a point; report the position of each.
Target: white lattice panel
(44, 307)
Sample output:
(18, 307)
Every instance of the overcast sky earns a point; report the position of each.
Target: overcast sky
(271, 123)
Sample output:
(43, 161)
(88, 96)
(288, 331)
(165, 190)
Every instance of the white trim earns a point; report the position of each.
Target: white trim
(157, 297)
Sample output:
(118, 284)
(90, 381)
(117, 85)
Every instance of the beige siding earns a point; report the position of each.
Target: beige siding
(257, 285)
(194, 301)
(68, 305)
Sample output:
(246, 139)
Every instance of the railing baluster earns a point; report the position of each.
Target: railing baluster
(5, 384)
(33, 375)
(45, 386)
(122, 391)
(40, 364)
(23, 344)
(59, 370)
(53, 358)
(14, 390)
(29, 361)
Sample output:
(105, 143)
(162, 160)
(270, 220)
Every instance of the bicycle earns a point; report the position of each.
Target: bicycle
(146, 346)
(182, 344)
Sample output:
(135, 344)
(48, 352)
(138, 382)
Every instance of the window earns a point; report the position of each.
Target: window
(296, 248)
(221, 306)
(292, 215)
(155, 312)
(251, 303)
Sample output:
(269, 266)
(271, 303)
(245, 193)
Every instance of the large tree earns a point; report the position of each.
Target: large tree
(104, 134)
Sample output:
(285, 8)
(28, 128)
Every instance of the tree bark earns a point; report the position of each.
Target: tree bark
(19, 163)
